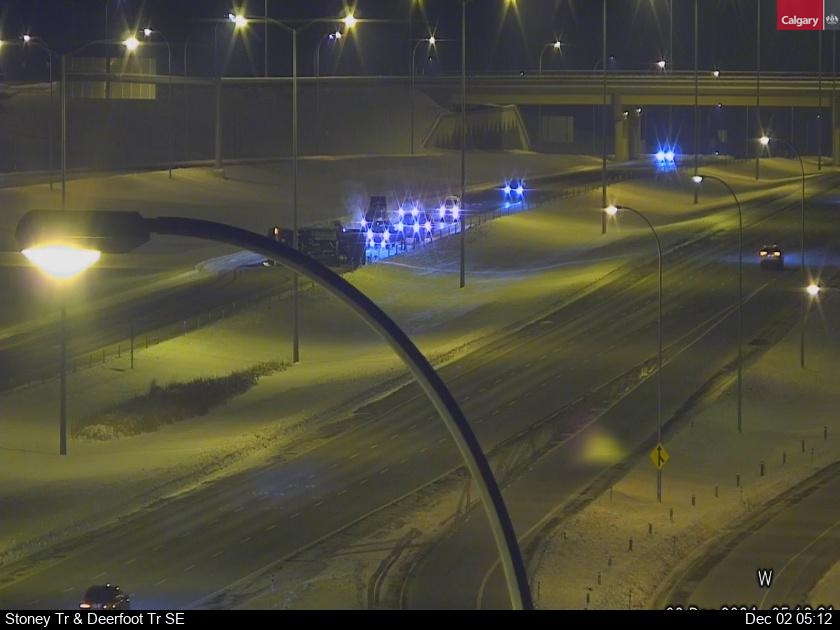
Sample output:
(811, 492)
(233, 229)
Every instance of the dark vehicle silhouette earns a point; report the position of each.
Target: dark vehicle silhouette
(105, 597)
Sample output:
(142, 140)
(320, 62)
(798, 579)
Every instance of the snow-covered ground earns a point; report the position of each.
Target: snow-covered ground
(45, 496)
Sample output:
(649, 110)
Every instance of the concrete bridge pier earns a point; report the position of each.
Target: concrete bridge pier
(621, 136)
(628, 131)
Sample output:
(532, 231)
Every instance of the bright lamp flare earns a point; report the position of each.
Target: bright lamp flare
(697, 179)
(27, 39)
(661, 64)
(349, 20)
(147, 32)
(432, 40)
(60, 261)
(611, 210)
(558, 45)
(131, 43)
(764, 140)
(812, 289)
(239, 20)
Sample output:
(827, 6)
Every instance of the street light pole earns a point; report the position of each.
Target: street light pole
(316, 64)
(604, 116)
(612, 211)
(463, 137)
(120, 232)
(50, 54)
(557, 45)
(696, 102)
(295, 279)
(765, 141)
(698, 179)
(819, 100)
(147, 32)
(62, 387)
(431, 41)
(757, 82)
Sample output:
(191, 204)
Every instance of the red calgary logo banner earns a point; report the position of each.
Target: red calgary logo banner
(799, 15)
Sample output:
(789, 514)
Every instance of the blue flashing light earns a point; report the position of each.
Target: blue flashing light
(364, 223)
(660, 156)
(441, 212)
(428, 225)
(455, 213)
(520, 190)
(669, 156)
(401, 211)
(400, 226)
(370, 235)
(416, 228)
(506, 189)
(414, 211)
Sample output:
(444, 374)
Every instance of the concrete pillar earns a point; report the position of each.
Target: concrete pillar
(622, 130)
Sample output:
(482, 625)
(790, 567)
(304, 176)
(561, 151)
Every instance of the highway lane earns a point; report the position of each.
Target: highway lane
(797, 536)
(31, 355)
(475, 581)
(183, 549)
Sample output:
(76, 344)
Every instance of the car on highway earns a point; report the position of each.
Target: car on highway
(105, 597)
(383, 234)
(450, 210)
(416, 226)
(514, 190)
(771, 257)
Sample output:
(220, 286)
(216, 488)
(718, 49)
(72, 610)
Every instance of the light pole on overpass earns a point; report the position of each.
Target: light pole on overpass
(612, 211)
(37, 41)
(698, 179)
(121, 232)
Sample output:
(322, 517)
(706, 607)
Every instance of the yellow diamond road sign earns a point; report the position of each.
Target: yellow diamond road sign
(659, 456)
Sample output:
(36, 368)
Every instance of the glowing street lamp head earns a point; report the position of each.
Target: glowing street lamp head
(558, 45)
(26, 38)
(812, 289)
(611, 210)
(131, 43)
(432, 40)
(697, 179)
(336, 35)
(661, 64)
(764, 140)
(716, 73)
(61, 261)
(239, 20)
(147, 32)
(349, 20)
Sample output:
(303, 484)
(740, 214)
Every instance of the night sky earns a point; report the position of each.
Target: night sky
(502, 36)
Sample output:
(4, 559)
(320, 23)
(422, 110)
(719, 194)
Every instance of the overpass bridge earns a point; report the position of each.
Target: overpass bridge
(624, 92)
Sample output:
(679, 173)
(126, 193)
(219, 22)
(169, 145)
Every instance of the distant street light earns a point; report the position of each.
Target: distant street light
(813, 289)
(148, 33)
(612, 211)
(333, 36)
(661, 64)
(765, 142)
(431, 41)
(121, 232)
(698, 179)
(556, 46)
(37, 41)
